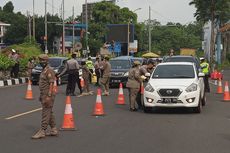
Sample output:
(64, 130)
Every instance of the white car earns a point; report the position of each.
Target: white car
(175, 84)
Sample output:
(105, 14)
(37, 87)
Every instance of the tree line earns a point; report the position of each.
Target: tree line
(170, 36)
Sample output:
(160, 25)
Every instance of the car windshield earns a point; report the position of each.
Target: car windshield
(53, 62)
(120, 64)
(174, 71)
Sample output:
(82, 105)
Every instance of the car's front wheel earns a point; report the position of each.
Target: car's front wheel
(204, 99)
(147, 109)
(198, 109)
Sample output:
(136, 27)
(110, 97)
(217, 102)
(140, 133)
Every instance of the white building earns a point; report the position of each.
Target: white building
(3, 27)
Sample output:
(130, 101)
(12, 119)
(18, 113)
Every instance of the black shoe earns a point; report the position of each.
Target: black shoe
(72, 94)
(133, 109)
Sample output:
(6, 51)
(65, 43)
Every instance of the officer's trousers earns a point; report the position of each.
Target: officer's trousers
(132, 96)
(47, 113)
(206, 83)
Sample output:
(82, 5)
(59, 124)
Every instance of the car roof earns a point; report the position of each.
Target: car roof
(176, 63)
(63, 58)
(123, 58)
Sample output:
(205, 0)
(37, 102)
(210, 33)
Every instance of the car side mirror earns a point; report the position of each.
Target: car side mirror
(201, 74)
(147, 74)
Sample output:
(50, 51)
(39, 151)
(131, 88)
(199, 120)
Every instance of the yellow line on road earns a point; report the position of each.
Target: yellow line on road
(22, 114)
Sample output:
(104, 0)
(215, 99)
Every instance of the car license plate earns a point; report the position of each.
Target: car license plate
(169, 100)
(116, 81)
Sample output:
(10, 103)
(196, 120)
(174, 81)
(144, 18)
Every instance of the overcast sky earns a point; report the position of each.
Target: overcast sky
(162, 10)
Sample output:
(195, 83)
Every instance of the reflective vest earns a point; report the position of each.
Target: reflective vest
(89, 64)
(205, 67)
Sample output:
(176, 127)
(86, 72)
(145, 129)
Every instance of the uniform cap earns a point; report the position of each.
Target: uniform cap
(137, 63)
(106, 57)
(43, 56)
(14, 51)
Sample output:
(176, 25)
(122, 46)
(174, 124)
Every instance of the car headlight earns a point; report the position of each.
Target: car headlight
(191, 88)
(56, 70)
(126, 74)
(149, 88)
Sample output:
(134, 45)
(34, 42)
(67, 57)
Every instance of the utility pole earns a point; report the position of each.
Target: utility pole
(45, 38)
(86, 22)
(128, 38)
(63, 28)
(33, 22)
(73, 28)
(29, 25)
(212, 47)
(149, 29)
(52, 7)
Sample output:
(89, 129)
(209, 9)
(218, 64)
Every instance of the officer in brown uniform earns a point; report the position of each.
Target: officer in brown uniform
(30, 66)
(47, 96)
(133, 84)
(144, 69)
(106, 67)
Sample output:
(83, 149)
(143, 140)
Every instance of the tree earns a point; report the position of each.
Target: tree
(9, 7)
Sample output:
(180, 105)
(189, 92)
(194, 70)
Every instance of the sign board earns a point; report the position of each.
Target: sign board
(187, 51)
(78, 45)
(133, 46)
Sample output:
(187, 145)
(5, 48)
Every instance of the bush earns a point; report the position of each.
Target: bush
(5, 63)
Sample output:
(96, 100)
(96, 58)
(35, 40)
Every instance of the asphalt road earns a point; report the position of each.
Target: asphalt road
(120, 131)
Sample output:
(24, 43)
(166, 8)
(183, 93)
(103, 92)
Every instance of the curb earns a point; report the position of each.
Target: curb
(10, 82)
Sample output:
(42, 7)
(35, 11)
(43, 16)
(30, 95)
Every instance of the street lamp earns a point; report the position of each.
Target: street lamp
(129, 31)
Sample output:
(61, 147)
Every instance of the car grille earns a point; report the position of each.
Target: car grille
(117, 74)
(169, 92)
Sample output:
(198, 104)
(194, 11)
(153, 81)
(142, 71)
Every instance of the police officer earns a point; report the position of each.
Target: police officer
(205, 69)
(144, 69)
(47, 96)
(106, 68)
(90, 66)
(30, 66)
(133, 84)
(97, 70)
(72, 68)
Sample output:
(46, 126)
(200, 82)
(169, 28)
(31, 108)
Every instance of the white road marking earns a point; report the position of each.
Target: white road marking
(22, 114)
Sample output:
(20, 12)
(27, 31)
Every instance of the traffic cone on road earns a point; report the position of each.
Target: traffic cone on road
(98, 109)
(82, 82)
(142, 88)
(68, 121)
(219, 88)
(121, 98)
(29, 93)
(226, 92)
(55, 88)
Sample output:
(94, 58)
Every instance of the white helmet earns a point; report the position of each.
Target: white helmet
(14, 51)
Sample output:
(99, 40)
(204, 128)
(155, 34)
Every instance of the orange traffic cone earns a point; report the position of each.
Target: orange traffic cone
(219, 88)
(226, 92)
(29, 93)
(121, 98)
(98, 109)
(68, 121)
(142, 88)
(55, 88)
(82, 82)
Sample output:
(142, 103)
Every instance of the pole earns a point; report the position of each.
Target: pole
(46, 50)
(149, 29)
(212, 35)
(33, 22)
(29, 25)
(63, 28)
(128, 38)
(73, 29)
(86, 22)
(52, 7)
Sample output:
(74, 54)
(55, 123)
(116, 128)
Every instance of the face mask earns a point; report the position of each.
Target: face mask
(43, 64)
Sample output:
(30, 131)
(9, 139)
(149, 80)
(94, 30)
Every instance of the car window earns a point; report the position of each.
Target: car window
(174, 71)
(120, 64)
(55, 62)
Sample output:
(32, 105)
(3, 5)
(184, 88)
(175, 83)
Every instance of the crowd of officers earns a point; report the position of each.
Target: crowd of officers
(137, 75)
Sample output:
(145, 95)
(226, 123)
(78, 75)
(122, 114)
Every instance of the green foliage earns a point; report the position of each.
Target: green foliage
(5, 62)
(8, 8)
(205, 9)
